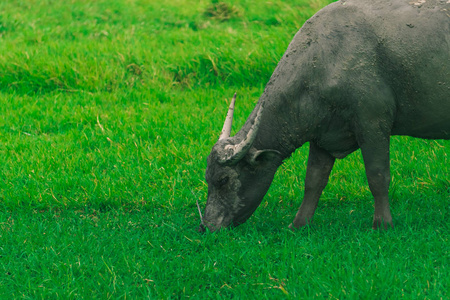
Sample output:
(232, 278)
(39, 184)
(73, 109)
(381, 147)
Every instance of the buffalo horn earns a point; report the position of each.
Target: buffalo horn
(226, 130)
(234, 153)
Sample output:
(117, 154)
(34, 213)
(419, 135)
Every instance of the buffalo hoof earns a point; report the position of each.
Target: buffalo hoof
(291, 227)
(382, 225)
(296, 228)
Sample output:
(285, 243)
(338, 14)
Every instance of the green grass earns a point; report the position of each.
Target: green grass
(108, 110)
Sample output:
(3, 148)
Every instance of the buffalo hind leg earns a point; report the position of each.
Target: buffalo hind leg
(376, 161)
(318, 170)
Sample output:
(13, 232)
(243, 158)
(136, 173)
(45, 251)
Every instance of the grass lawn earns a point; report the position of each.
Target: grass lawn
(108, 110)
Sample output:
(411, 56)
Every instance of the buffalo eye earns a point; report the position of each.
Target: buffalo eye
(222, 181)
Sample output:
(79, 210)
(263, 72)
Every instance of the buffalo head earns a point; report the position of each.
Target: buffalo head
(238, 174)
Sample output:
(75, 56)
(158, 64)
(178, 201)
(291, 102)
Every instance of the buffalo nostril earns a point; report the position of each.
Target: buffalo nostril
(201, 228)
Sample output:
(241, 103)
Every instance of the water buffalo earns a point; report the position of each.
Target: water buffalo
(356, 73)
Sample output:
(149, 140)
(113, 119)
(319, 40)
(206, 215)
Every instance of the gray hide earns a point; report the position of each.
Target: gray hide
(356, 73)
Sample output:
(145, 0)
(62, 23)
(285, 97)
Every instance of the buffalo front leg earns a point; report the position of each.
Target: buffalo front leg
(318, 170)
(376, 161)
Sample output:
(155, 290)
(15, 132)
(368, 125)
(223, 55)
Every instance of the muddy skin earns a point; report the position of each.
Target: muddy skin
(357, 72)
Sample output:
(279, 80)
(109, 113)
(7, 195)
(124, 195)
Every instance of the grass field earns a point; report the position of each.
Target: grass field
(108, 110)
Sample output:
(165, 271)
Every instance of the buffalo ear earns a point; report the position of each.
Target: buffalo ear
(255, 156)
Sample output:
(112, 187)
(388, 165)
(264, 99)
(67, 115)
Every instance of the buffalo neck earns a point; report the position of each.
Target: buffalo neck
(285, 122)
